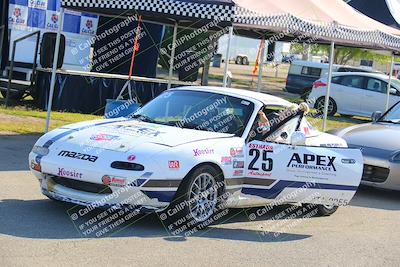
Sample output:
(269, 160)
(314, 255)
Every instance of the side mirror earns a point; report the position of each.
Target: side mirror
(393, 91)
(298, 139)
(376, 116)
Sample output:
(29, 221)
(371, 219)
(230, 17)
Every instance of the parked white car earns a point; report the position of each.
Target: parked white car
(355, 93)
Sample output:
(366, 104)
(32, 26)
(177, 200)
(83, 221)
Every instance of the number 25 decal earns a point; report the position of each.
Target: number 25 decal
(267, 163)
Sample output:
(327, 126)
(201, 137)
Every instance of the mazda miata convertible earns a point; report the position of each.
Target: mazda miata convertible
(194, 148)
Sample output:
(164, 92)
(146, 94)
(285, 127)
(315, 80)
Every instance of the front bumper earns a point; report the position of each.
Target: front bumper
(139, 191)
(381, 173)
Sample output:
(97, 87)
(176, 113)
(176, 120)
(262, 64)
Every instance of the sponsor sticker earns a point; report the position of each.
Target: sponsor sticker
(238, 164)
(135, 129)
(265, 147)
(104, 137)
(226, 160)
(238, 173)
(113, 181)
(201, 152)
(312, 162)
(259, 174)
(174, 164)
(237, 152)
(76, 155)
(62, 172)
(131, 157)
(35, 166)
(348, 161)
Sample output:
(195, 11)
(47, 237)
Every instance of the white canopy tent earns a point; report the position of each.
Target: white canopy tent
(325, 21)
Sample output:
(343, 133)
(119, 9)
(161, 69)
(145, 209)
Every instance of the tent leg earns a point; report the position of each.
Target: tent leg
(261, 66)
(228, 52)
(171, 61)
(390, 83)
(54, 69)
(328, 88)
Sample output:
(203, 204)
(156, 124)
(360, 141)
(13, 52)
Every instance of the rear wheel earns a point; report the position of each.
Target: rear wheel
(326, 210)
(245, 61)
(239, 61)
(196, 200)
(320, 105)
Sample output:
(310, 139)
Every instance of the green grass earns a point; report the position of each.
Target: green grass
(22, 120)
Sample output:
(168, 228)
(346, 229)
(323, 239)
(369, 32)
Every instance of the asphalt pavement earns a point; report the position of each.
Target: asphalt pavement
(37, 231)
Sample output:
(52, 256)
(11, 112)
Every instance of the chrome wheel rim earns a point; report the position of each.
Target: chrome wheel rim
(203, 196)
(321, 106)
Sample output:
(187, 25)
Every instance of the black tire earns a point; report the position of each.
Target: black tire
(178, 217)
(13, 95)
(239, 61)
(320, 103)
(245, 61)
(323, 210)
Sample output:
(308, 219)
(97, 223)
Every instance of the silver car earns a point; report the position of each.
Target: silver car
(380, 145)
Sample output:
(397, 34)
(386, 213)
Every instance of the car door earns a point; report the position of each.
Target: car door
(374, 97)
(348, 89)
(300, 174)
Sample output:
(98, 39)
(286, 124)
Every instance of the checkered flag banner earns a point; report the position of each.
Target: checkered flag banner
(194, 10)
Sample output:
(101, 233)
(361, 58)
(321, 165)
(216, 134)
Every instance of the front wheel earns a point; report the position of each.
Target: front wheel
(320, 104)
(196, 200)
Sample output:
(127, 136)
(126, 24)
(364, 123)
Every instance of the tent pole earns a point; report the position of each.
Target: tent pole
(261, 65)
(390, 83)
(54, 69)
(328, 88)
(228, 52)
(171, 61)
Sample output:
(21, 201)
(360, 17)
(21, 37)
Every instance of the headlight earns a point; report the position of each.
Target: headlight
(41, 151)
(395, 157)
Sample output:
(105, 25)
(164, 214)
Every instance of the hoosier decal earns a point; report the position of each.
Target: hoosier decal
(200, 152)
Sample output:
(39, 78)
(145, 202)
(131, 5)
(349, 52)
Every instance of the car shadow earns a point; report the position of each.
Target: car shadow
(46, 219)
(374, 198)
(14, 150)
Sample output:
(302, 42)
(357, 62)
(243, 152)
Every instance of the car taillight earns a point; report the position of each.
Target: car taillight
(318, 84)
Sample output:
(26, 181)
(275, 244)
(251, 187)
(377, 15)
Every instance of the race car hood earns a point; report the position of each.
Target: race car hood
(124, 135)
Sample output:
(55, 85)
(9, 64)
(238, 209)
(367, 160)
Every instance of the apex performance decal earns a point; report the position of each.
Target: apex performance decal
(310, 161)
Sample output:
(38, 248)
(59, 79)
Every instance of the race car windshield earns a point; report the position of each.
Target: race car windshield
(201, 111)
(393, 116)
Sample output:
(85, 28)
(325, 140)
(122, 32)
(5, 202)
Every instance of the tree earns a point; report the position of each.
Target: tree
(343, 55)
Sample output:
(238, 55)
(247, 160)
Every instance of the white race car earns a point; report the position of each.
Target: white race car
(192, 148)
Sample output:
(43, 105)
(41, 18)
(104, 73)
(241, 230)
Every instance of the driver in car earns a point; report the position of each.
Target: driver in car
(273, 119)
